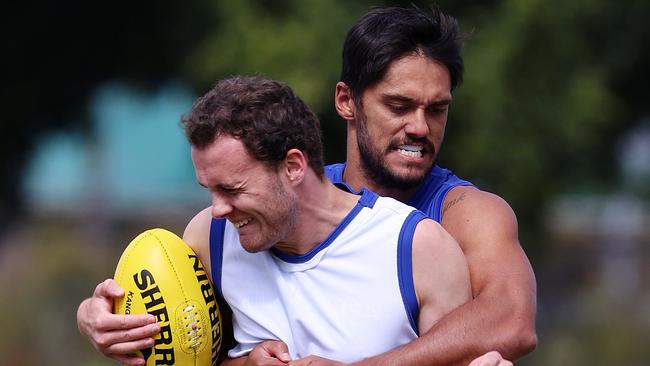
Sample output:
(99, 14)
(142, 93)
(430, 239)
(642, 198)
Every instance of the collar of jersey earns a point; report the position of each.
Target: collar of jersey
(338, 181)
(416, 201)
(367, 199)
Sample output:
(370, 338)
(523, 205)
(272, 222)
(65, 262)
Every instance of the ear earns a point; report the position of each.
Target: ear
(344, 101)
(295, 166)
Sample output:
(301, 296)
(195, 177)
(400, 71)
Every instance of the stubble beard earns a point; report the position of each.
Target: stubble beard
(281, 223)
(374, 164)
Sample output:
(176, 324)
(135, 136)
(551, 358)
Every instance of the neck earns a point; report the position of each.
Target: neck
(322, 207)
(355, 176)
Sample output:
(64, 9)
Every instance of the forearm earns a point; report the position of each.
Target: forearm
(471, 330)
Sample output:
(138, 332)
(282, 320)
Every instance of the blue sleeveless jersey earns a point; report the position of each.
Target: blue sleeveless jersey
(428, 198)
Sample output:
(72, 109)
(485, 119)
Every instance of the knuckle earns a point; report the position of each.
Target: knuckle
(101, 341)
(97, 323)
(123, 321)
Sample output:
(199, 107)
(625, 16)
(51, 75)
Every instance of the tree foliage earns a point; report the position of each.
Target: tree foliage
(549, 85)
(549, 88)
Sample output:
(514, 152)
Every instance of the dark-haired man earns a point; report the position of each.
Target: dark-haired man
(325, 271)
(400, 67)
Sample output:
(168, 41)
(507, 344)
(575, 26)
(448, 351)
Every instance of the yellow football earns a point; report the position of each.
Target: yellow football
(162, 276)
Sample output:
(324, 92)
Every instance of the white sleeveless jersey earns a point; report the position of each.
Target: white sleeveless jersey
(349, 298)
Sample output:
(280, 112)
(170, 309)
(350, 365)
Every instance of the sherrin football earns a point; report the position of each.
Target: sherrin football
(162, 276)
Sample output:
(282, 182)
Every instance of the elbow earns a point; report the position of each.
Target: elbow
(526, 339)
(521, 340)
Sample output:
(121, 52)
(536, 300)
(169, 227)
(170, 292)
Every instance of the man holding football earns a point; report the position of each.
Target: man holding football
(327, 272)
(396, 114)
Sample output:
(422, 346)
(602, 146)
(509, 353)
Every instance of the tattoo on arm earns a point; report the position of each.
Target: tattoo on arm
(453, 202)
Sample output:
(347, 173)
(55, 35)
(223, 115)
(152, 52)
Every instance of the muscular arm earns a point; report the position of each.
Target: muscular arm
(501, 316)
(440, 274)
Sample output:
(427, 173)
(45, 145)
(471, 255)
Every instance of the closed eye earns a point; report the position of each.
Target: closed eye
(398, 108)
(437, 108)
(230, 190)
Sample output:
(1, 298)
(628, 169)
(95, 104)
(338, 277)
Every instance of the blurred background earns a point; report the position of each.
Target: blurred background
(554, 116)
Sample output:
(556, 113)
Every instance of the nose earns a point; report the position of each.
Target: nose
(417, 125)
(220, 207)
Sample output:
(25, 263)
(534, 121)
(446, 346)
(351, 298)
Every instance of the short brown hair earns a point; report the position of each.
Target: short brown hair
(264, 114)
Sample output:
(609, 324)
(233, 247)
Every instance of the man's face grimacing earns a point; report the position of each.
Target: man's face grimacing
(401, 121)
(247, 192)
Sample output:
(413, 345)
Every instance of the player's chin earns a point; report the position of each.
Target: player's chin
(411, 168)
(411, 175)
(253, 244)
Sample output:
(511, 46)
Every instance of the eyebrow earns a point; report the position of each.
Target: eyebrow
(223, 186)
(403, 99)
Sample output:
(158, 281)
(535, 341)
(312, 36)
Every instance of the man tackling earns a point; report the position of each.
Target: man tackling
(328, 273)
(399, 69)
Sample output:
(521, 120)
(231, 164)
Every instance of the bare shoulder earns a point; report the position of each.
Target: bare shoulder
(437, 253)
(467, 203)
(197, 235)
(430, 236)
(470, 213)
(486, 228)
(440, 273)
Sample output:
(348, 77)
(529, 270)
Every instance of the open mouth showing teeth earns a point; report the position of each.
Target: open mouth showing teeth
(410, 151)
(241, 223)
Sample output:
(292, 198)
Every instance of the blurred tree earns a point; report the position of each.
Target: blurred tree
(549, 88)
(297, 41)
(549, 85)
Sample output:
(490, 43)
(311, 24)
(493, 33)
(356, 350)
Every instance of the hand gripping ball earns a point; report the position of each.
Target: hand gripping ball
(162, 276)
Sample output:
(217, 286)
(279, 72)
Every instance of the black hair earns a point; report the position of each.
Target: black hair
(386, 34)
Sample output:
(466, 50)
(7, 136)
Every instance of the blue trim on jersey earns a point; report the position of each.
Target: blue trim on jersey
(367, 199)
(436, 206)
(217, 231)
(335, 174)
(405, 267)
(428, 198)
